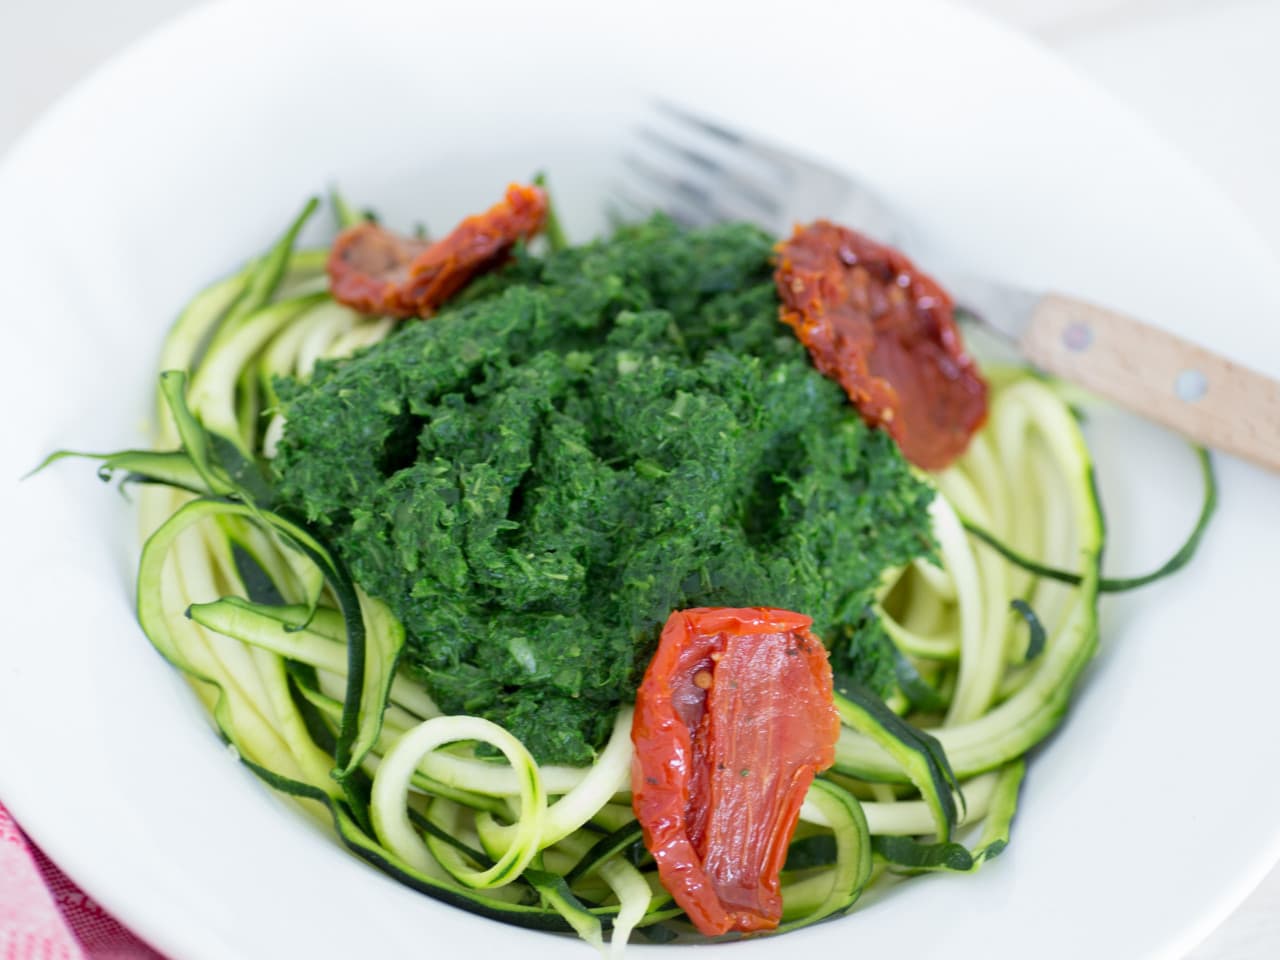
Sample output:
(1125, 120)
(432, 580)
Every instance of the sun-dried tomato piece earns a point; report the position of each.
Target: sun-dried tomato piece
(885, 332)
(734, 718)
(369, 266)
(376, 271)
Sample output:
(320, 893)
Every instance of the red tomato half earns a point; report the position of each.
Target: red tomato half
(733, 720)
(885, 332)
(376, 271)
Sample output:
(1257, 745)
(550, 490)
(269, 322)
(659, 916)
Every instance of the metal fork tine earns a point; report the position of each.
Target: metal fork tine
(664, 143)
(682, 199)
(700, 171)
(623, 208)
(748, 189)
(629, 205)
(710, 127)
(782, 165)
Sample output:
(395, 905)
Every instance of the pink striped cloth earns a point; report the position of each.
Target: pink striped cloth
(44, 916)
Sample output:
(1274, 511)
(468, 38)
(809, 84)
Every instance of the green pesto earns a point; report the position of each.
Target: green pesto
(536, 477)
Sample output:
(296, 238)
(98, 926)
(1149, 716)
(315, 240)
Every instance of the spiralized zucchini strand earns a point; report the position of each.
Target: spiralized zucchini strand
(391, 788)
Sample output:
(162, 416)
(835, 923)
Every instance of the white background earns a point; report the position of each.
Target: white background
(1204, 73)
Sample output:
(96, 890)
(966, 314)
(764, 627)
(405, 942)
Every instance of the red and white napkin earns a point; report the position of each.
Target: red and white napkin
(44, 916)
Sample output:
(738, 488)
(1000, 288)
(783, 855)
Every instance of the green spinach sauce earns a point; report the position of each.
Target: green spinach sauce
(537, 476)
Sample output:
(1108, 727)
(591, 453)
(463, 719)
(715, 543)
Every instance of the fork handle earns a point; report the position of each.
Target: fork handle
(1194, 391)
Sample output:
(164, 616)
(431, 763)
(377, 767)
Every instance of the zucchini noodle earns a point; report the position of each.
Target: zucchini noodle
(298, 667)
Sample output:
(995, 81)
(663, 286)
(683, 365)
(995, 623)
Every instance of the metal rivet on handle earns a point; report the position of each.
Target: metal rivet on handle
(1077, 336)
(1190, 385)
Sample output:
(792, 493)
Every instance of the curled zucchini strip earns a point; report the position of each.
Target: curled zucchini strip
(497, 780)
(389, 804)
(1028, 421)
(628, 884)
(608, 775)
(976, 683)
(837, 888)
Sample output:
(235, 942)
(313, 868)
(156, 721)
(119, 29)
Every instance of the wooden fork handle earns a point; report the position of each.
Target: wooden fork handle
(1192, 390)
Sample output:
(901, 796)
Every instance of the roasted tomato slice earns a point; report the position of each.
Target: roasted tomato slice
(733, 719)
(376, 271)
(886, 333)
(369, 267)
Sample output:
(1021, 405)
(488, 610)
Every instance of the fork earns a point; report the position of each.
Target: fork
(699, 172)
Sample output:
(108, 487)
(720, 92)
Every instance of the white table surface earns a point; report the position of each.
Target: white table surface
(1204, 73)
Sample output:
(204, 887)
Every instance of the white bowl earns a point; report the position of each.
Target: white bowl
(1143, 822)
